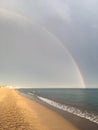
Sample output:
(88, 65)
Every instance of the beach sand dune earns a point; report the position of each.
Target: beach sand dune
(20, 113)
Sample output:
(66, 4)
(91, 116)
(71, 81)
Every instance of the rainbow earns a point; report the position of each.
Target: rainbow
(31, 21)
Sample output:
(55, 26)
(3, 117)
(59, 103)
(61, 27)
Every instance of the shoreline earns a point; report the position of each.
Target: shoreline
(21, 113)
(78, 122)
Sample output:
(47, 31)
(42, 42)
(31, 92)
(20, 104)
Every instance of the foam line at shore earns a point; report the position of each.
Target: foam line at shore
(83, 114)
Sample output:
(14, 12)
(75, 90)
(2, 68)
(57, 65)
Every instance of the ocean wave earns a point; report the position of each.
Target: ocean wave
(83, 114)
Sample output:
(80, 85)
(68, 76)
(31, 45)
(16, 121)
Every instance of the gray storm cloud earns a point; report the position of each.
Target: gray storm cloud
(31, 55)
(74, 23)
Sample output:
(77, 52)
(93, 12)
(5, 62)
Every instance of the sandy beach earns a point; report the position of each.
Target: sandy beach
(20, 113)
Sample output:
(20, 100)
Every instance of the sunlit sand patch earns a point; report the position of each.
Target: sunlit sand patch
(20, 113)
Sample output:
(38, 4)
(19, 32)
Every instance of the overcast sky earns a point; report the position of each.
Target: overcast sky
(49, 43)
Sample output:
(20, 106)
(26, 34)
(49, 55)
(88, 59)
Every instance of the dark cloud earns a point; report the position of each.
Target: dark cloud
(74, 23)
(31, 55)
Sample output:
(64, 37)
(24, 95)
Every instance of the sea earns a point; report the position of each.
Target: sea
(80, 102)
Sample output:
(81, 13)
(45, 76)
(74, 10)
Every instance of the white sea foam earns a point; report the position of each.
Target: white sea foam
(84, 114)
(30, 93)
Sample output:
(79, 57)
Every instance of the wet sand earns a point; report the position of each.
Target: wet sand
(20, 113)
(78, 122)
